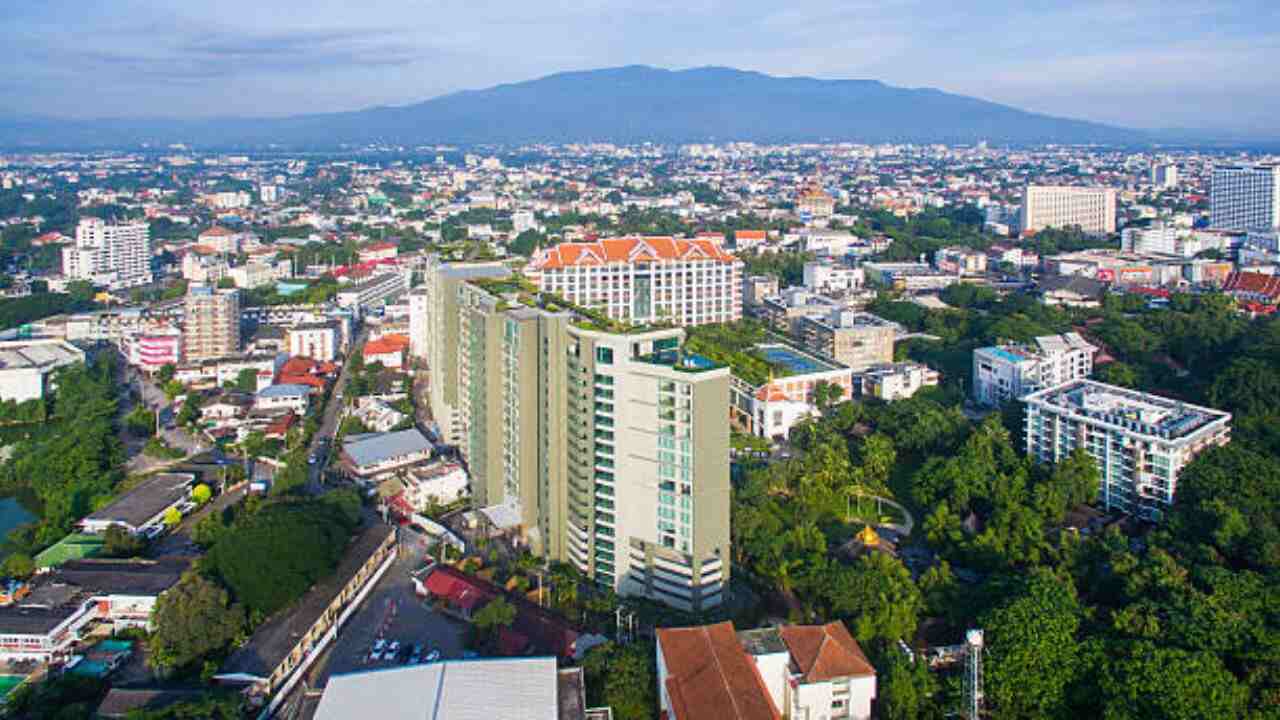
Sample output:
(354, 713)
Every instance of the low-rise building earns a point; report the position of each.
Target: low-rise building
(284, 396)
(896, 381)
(316, 340)
(1010, 372)
(425, 486)
(855, 339)
(795, 672)
(144, 506)
(376, 291)
(26, 366)
(755, 288)
(826, 276)
(389, 350)
(1141, 442)
(912, 277)
(377, 415)
(369, 456)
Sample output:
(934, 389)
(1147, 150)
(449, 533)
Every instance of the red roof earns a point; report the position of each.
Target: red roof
(386, 345)
(710, 676)
(543, 630)
(280, 428)
(380, 246)
(629, 250)
(825, 652)
(1253, 283)
(217, 231)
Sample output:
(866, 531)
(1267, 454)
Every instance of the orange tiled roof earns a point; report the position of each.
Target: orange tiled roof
(825, 652)
(1255, 283)
(216, 231)
(710, 676)
(749, 234)
(385, 345)
(629, 250)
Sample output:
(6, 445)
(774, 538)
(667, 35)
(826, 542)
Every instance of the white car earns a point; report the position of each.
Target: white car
(432, 656)
(393, 649)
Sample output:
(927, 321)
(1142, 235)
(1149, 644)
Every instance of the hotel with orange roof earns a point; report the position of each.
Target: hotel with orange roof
(645, 279)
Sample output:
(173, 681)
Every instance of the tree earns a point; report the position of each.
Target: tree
(905, 689)
(208, 530)
(622, 678)
(19, 565)
(1032, 648)
(201, 494)
(875, 597)
(1150, 682)
(493, 617)
(173, 388)
(141, 421)
(526, 243)
(193, 620)
(172, 517)
(826, 394)
(165, 373)
(247, 380)
(118, 542)
(1118, 373)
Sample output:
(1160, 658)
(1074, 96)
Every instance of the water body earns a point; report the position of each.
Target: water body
(12, 514)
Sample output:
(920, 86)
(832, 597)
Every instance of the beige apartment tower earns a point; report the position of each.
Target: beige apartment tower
(608, 447)
(1093, 209)
(212, 323)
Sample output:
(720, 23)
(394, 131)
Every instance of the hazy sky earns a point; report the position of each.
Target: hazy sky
(1138, 63)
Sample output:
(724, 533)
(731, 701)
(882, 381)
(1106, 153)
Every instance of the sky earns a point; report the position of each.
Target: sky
(1136, 63)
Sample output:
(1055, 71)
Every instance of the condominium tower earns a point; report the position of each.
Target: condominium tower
(117, 255)
(605, 447)
(1245, 197)
(1092, 209)
(212, 323)
(645, 280)
(1141, 442)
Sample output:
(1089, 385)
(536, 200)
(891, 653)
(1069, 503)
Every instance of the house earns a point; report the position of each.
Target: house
(810, 672)
(142, 507)
(306, 371)
(369, 456)
(377, 415)
(284, 396)
(388, 350)
(1253, 287)
(491, 688)
(225, 406)
(421, 487)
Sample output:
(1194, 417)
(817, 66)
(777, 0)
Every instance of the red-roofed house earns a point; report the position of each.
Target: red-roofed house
(388, 350)
(379, 251)
(305, 371)
(795, 671)
(221, 240)
(747, 239)
(645, 279)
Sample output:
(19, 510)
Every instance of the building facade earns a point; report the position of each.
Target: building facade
(1140, 441)
(1093, 209)
(855, 339)
(117, 255)
(212, 323)
(645, 280)
(1245, 197)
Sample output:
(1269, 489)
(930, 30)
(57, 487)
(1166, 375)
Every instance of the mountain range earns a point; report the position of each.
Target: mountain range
(622, 105)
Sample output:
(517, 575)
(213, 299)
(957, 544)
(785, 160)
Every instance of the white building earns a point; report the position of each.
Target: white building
(26, 365)
(1010, 372)
(117, 255)
(522, 220)
(1093, 209)
(252, 275)
(1245, 197)
(829, 277)
(285, 396)
(377, 290)
(377, 415)
(418, 324)
(435, 484)
(1140, 441)
(793, 672)
(896, 381)
(1164, 175)
(318, 341)
(643, 280)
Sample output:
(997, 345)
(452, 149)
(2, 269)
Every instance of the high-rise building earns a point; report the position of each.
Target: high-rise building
(1010, 372)
(117, 255)
(212, 323)
(1164, 175)
(1140, 441)
(606, 449)
(1092, 209)
(1245, 197)
(645, 280)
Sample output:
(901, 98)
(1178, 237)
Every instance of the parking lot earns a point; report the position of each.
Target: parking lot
(393, 613)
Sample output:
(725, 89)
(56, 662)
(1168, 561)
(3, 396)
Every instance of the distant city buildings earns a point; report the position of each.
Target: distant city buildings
(1245, 197)
(644, 280)
(1164, 175)
(1141, 442)
(1092, 209)
(117, 255)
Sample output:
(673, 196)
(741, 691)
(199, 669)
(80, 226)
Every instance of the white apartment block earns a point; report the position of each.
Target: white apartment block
(1140, 441)
(1010, 372)
(211, 323)
(829, 277)
(645, 280)
(117, 255)
(377, 290)
(1093, 209)
(896, 381)
(1245, 197)
(1164, 175)
(318, 341)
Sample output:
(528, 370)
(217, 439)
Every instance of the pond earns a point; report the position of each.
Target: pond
(12, 514)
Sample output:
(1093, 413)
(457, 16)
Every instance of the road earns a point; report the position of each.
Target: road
(329, 422)
(155, 401)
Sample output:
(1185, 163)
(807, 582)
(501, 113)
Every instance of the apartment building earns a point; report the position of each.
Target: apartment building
(1093, 209)
(1008, 372)
(855, 339)
(1164, 175)
(360, 297)
(645, 279)
(610, 448)
(896, 381)
(826, 276)
(1245, 197)
(212, 323)
(1140, 441)
(117, 255)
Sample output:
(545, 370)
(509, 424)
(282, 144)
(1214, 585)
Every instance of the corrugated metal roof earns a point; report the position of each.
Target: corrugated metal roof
(374, 448)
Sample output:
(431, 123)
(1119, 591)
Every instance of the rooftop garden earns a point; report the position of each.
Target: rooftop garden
(734, 344)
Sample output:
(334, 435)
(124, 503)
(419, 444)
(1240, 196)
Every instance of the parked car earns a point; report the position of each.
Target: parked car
(393, 649)
(432, 656)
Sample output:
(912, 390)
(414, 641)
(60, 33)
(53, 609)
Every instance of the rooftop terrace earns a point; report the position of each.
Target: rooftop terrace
(1135, 411)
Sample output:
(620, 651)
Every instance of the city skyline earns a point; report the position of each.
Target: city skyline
(1142, 66)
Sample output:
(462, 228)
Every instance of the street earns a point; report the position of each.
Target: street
(329, 422)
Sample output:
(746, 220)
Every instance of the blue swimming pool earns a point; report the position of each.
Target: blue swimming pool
(793, 360)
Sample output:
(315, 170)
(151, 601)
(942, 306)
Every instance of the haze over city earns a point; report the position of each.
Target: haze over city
(1138, 64)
